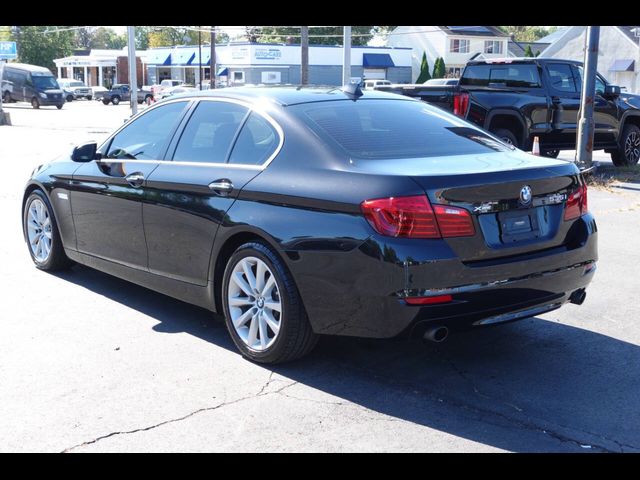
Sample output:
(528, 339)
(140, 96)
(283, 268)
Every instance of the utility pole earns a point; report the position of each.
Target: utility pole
(133, 77)
(212, 60)
(346, 59)
(584, 151)
(200, 56)
(304, 55)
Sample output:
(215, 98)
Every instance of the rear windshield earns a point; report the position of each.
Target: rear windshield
(388, 129)
(505, 75)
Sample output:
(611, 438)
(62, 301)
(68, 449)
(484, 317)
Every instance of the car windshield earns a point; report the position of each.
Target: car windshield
(44, 83)
(388, 129)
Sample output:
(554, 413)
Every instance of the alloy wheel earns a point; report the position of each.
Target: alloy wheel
(39, 230)
(632, 148)
(254, 303)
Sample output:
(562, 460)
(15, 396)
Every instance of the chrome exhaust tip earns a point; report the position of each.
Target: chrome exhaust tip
(436, 334)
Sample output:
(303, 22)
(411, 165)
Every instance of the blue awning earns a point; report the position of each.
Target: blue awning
(182, 56)
(377, 60)
(625, 65)
(159, 57)
(223, 72)
(206, 56)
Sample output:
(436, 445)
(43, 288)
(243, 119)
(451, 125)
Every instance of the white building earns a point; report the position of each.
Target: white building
(267, 63)
(456, 45)
(98, 67)
(618, 53)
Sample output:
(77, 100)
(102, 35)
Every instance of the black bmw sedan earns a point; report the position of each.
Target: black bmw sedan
(302, 212)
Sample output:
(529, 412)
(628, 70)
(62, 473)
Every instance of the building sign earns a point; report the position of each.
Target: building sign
(8, 50)
(268, 53)
(75, 63)
(240, 53)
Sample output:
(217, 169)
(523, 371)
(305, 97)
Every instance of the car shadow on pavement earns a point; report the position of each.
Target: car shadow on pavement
(533, 385)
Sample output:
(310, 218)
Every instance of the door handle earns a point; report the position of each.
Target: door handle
(135, 179)
(222, 186)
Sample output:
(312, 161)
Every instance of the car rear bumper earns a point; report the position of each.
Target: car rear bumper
(362, 292)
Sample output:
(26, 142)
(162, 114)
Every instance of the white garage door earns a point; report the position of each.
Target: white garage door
(375, 73)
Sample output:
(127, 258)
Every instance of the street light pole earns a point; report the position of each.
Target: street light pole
(133, 78)
(586, 126)
(212, 60)
(346, 58)
(304, 55)
(200, 56)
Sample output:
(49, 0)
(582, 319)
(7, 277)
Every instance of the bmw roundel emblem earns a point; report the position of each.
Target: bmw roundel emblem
(525, 195)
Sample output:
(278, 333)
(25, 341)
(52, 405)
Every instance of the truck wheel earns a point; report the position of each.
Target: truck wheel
(69, 98)
(6, 97)
(35, 103)
(628, 153)
(89, 97)
(116, 100)
(105, 101)
(506, 136)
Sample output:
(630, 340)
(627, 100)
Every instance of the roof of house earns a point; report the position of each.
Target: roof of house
(628, 31)
(477, 31)
(518, 48)
(552, 37)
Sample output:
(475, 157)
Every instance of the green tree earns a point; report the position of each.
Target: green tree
(170, 36)
(40, 45)
(84, 36)
(106, 38)
(438, 68)
(424, 69)
(527, 33)
(5, 33)
(317, 35)
(142, 37)
(528, 52)
(443, 68)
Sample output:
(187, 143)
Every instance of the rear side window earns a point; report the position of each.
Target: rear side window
(505, 75)
(561, 77)
(210, 132)
(256, 142)
(145, 137)
(389, 129)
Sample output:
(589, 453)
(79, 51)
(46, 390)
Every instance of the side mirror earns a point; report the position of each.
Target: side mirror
(611, 91)
(85, 152)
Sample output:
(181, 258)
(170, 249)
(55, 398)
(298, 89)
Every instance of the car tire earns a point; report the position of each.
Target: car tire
(35, 103)
(59, 107)
(89, 97)
(105, 101)
(252, 317)
(115, 100)
(39, 221)
(628, 153)
(69, 98)
(550, 153)
(506, 136)
(6, 98)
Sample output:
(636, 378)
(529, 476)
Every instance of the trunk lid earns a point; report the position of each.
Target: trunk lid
(517, 200)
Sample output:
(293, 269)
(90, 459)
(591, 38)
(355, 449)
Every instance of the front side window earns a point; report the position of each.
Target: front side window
(210, 132)
(492, 46)
(256, 142)
(146, 137)
(600, 83)
(459, 46)
(561, 77)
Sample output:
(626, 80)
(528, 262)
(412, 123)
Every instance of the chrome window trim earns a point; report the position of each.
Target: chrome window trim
(247, 166)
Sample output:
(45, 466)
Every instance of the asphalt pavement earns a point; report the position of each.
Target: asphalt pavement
(89, 362)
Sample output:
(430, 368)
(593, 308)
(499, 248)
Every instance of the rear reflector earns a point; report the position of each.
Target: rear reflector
(428, 300)
(576, 203)
(414, 217)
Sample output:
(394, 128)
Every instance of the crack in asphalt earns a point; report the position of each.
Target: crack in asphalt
(261, 393)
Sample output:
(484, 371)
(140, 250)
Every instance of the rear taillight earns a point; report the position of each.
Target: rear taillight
(576, 203)
(460, 104)
(428, 300)
(413, 217)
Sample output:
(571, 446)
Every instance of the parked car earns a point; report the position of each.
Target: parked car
(379, 216)
(30, 83)
(371, 84)
(122, 92)
(441, 81)
(519, 99)
(98, 92)
(168, 92)
(75, 89)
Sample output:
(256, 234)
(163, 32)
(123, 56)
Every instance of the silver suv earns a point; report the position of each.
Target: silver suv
(75, 89)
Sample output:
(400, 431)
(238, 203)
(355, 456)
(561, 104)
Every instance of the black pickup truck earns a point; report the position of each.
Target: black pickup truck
(518, 99)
